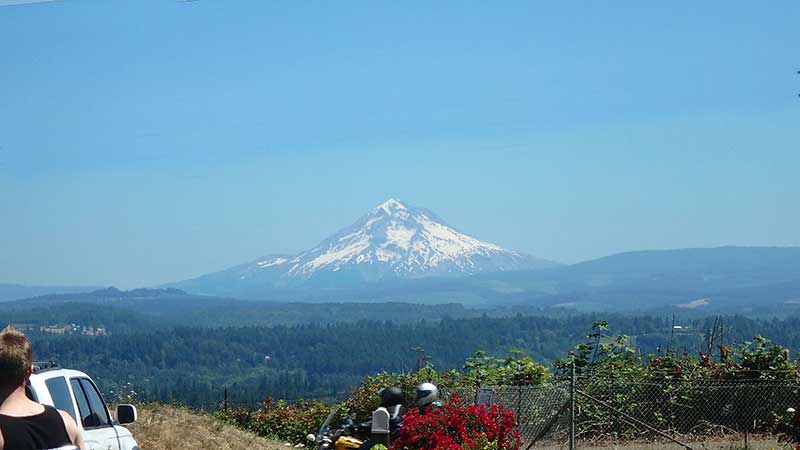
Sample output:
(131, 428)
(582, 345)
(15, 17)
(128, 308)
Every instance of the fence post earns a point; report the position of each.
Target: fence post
(572, 408)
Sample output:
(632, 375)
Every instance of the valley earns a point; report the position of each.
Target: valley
(188, 353)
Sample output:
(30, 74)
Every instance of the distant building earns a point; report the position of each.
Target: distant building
(91, 331)
(74, 329)
(57, 329)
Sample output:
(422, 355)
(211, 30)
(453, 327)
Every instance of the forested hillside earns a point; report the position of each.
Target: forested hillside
(194, 365)
(151, 309)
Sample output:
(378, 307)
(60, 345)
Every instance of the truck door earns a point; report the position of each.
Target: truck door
(99, 432)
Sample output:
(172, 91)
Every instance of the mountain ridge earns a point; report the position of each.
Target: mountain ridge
(730, 279)
(14, 291)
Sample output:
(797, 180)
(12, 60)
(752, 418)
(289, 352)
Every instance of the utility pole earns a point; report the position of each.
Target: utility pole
(671, 335)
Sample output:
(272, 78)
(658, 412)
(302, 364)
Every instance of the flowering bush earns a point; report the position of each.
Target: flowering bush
(456, 426)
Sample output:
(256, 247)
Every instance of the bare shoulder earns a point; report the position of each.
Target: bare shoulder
(72, 430)
(65, 415)
(69, 424)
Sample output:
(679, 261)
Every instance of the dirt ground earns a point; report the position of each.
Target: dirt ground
(171, 428)
(730, 443)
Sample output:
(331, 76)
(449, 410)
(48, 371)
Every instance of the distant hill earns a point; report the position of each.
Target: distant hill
(746, 280)
(706, 266)
(109, 295)
(18, 291)
(143, 310)
(736, 279)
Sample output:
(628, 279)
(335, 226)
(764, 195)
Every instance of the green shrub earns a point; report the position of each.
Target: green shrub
(364, 398)
(671, 391)
(280, 420)
(516, 369)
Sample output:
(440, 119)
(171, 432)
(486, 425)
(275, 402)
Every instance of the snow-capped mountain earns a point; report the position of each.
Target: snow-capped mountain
(393, 241)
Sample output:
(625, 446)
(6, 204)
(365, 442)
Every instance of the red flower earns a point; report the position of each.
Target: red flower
(456, 426)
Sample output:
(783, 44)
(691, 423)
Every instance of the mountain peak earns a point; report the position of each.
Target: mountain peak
(391, 206)
(393, 241)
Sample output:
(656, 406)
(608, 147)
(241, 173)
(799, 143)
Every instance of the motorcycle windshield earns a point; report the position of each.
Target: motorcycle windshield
(324, 428)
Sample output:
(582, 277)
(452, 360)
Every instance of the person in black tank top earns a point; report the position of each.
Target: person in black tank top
(25, 424)
(40, 431)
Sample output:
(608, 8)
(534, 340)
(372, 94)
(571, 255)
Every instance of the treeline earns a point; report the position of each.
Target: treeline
(195, 365)
(126, 314)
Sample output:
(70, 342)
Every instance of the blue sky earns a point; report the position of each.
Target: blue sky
(143, 142)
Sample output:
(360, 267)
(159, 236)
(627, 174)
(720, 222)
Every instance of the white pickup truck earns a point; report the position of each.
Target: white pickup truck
(74, 392)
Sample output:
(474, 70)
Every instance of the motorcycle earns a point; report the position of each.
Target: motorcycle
(343, 437)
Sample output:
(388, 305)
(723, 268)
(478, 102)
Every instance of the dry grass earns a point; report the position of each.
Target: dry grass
(731, 443)
(163, 427)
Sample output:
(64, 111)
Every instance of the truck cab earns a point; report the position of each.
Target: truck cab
(74, 392)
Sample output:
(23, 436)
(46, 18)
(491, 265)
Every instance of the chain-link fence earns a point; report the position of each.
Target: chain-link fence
(612, 412)
(615, 413)
(541, 411)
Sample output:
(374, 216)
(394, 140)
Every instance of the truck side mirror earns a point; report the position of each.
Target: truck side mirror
(126, 414)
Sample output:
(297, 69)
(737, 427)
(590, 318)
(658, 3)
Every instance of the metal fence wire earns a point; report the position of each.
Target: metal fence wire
(619, 411)
(540, 410)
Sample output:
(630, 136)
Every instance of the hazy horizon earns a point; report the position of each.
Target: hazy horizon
(148, 142)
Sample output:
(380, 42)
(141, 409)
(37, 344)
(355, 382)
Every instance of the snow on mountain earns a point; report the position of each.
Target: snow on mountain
(398, 241)
(393, 241)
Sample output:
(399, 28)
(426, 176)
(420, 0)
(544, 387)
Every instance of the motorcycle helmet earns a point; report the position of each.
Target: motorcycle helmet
(427, 393)
(391, 396)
